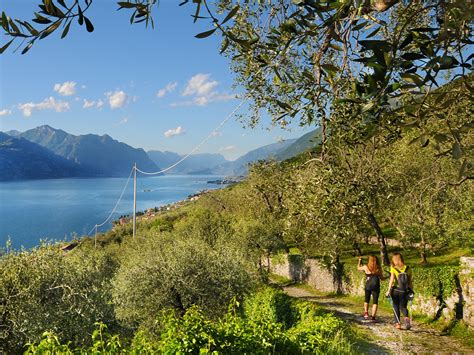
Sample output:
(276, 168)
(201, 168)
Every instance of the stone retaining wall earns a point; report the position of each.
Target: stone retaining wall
(311, 271)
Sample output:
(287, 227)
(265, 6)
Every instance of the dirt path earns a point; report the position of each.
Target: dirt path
(381, 336)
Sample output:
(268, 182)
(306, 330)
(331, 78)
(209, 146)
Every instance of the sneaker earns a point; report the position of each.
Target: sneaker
(373, 319)
(398, 326)
(366, 316)
(407, 323)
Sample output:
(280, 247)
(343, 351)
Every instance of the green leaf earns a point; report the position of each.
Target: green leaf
(406, 41)
(81, 16)
(424, 140)
(27, 48)
(206, 34)
(126, 5)
(376, 45)
(41, 19)
(3, 49)
(13, 26)
(330, 68)
(359, 26)
(5, 22)
(462, 170)
(89, 25)
(50, 29)
(414, 78)
(368, 106)
(198, 9)
(66, 30)
(30, 28)
(225, 44)
(283, 105)
(374, 32)
(231, 14)
(457, 151)
(413, 56)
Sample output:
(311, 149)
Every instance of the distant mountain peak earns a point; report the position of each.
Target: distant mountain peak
(99, 155)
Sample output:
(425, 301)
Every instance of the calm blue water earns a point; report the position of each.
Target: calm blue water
(58, 209)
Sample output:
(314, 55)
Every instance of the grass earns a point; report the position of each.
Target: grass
(280, 280)
(445, 256)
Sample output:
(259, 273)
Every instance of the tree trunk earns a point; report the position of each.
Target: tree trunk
(383, 247)
(424, 261)
(357, 249)
(268, 262)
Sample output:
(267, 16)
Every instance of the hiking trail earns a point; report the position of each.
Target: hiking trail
(381, 336)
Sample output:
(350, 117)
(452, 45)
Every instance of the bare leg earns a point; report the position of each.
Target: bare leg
(374, 310)
(366, 307)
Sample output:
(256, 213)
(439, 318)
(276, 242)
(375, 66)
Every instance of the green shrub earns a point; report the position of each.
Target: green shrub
(438, 281)
(48, 290)
(165, 271)
(270, 305)
(236, 333)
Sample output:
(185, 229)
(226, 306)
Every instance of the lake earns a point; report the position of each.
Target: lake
(61, 208)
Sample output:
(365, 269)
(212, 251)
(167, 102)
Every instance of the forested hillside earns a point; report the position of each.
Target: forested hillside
(20, 159)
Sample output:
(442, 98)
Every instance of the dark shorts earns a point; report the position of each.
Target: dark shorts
(375, 295)
(372, 287)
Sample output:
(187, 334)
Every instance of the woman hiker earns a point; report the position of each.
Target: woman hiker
(373, 273)
(400, 289)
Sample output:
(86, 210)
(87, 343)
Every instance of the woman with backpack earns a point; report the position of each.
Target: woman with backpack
(400, 289)
(373, 274)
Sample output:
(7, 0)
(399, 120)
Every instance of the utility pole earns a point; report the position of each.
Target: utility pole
(95, 238)
(135, 200)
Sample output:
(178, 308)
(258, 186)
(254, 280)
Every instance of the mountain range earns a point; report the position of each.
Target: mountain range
(96, 155)
(21, 159)
(46, 152)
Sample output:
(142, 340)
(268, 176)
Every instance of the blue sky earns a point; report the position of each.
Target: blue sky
(157, 89)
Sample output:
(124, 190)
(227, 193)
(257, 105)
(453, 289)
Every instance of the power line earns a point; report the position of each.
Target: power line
(229, 116)
(135, 169)
(116, 205)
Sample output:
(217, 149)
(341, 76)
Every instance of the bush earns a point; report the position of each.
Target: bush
(164, 271)
(236, 333)
(270, 305)
(46, 289)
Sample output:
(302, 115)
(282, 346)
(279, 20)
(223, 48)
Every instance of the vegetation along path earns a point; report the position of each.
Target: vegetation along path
(381, 336)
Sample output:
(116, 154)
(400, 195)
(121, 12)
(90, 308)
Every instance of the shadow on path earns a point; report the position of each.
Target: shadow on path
(381, 336)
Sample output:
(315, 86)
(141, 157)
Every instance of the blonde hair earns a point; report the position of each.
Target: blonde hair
(397, 260)
(373, 265)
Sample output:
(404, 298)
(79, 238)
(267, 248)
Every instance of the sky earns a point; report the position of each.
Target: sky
(156, 89)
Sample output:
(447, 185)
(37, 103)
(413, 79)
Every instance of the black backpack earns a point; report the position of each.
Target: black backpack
(403, 279)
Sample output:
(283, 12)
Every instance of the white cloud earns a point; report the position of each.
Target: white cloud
(89, 104)
(117, 99)
(174, 132)
(200, 85)
(5, 112)
(49, 103)
(67, 88)
(201, 91)
(170, 87)
(228, 148)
